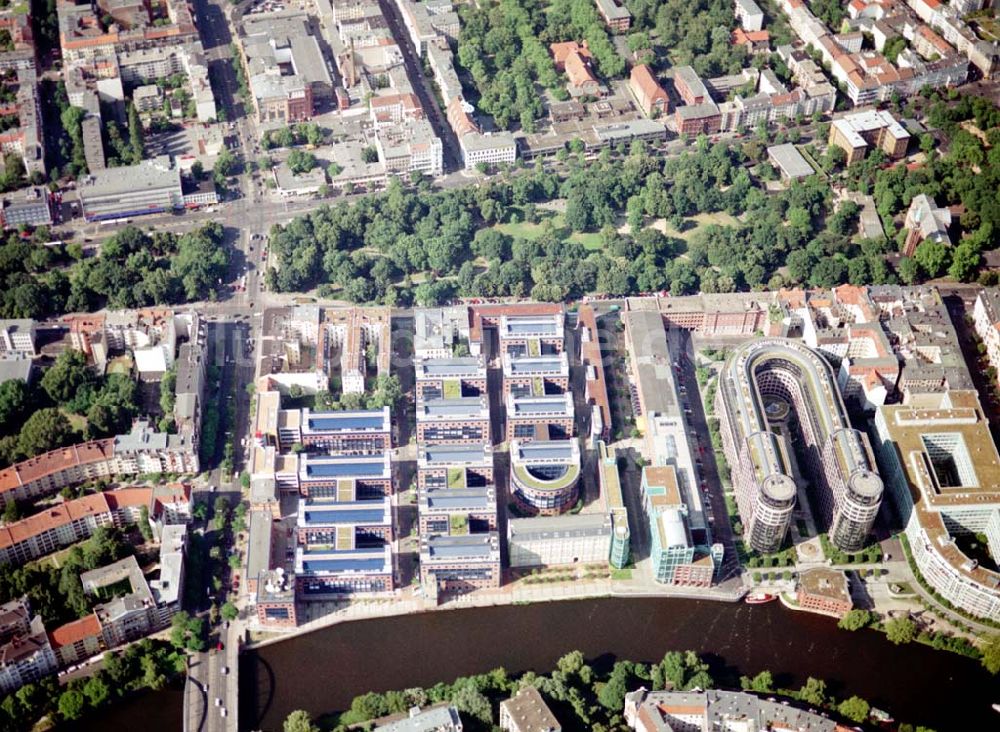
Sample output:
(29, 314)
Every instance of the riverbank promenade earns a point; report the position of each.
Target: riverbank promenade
(518, 593)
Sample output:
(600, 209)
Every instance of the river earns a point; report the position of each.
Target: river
(323, 671)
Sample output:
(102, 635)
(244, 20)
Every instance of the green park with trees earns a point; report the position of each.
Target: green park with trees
(70, 403)
(636, 209)
(580, 695)
(134, 269)
(146, 665)
(54, 588)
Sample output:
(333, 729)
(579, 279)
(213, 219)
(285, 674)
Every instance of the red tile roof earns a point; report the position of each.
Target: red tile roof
(55, 461)
(578, 70)
(66, 513)
(643, 78)
(560, 51)
(78, 630)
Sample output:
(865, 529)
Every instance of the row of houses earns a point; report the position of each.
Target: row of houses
(19, 80)
(127, 607)
(868, 76)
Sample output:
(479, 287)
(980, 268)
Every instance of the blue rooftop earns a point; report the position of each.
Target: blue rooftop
(545, 450)
(531, 327)
(345, 469)
(346, 515)
(346, 564)
(456, 499)
(334, 422)
(446, 454)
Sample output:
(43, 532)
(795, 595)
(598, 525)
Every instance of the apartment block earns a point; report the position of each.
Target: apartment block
(857, 133)
(17, 337)
(526, 711)
(986, 318)
(441, 333)
(353, 333)
(70, 522)
(26, 655)
(595, 381)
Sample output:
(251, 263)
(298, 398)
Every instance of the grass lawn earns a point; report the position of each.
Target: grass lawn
(525, 230)
(115, 589)
(459, 525)
(53, 560)
(456, 478)
(77, 421)
(452, 389)
(699, 220)
(621, 574)
(120, 365)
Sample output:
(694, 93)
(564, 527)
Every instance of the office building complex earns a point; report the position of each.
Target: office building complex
(535, 375)
(323, 573)
(449, 378)
(456, 492)
(942, 470)
(543, 541)
(459, 563)
(366, 432)
(677, 558)
(274, 598)
(546, 417)
(609, 480)
(761, 382)
(150, 187)
(462, 419)
(545, 474)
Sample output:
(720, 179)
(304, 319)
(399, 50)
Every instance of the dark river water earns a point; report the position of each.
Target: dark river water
(323, 671)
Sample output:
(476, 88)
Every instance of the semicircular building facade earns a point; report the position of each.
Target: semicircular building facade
(772, 388)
